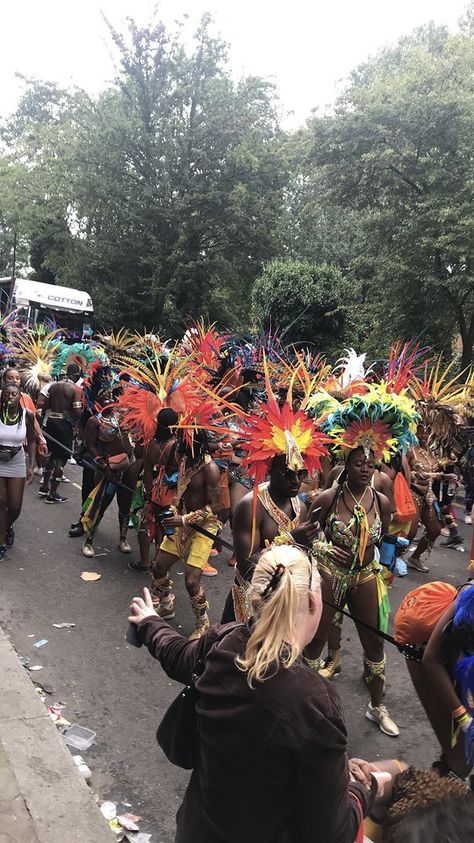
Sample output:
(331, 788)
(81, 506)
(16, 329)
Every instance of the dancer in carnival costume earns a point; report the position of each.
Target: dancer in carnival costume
(109, 445)
(354, 517)
(433, 461)
(96, 394)
(284, 445)
(392, 479)
(158, 388)
(197, 501)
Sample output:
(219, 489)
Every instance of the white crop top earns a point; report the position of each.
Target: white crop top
(13, 435)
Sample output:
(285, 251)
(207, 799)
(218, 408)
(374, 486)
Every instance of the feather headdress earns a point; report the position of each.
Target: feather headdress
(154, 382)
(348, 377)
(81, 353)
(280, 430)
(405, 363)
(438, 394)
(97, 381)
(35, 351)
(377, 422)
(117, 344)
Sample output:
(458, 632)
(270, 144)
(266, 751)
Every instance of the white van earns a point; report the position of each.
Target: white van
(39, 302)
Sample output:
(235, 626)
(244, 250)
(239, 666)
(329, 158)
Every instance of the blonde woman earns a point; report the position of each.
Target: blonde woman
(272, 763)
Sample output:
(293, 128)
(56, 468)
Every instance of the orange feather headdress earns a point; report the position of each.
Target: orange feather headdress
(155, 381)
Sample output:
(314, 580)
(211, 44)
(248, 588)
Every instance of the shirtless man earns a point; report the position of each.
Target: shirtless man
(198, 501)
(63, 405)
(279, 511)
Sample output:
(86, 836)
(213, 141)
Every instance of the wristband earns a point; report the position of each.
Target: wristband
(458, 712)
(464, 722)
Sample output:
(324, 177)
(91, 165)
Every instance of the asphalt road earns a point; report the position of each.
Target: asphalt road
(120, 692)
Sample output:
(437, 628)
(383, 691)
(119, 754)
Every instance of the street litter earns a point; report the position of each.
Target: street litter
(100, 554)
(40, 643)
(79, 737)
(141, 837)
(132, 817)
(109, 811)
(90, 576)
(64, 625)
(56, 715)
(50, 532)
(48, 689)
(32, 635)
(81, 765)
(25, 661)
(36, 667)
(127, 823)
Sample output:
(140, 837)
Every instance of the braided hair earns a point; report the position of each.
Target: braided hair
(429, 809)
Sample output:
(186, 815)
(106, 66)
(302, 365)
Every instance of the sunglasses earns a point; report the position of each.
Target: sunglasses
(289, 475)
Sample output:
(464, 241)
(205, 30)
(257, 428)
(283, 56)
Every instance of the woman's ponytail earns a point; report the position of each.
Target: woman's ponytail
(281, 580)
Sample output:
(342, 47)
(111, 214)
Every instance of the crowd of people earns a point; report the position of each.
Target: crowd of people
(320, 478)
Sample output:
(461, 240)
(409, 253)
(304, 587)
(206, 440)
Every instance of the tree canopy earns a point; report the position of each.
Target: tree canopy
(175, 193)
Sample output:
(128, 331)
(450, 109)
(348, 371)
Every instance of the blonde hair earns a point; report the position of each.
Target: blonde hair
(281, 581)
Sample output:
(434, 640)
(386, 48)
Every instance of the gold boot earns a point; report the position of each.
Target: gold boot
(331, 665)
(162, 597)
(200, 607)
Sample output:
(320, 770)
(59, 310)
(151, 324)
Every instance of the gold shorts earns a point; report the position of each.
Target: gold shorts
(189, 544)
(343, 580)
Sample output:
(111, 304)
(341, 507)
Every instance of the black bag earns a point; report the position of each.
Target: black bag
(7, 452)
(177, 733)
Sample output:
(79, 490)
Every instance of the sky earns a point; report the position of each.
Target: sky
(307, 47)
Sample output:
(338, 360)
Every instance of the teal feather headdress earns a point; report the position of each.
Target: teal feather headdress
(377, 421)
(80, 352)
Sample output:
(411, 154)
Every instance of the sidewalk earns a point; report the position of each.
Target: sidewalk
(43, 799)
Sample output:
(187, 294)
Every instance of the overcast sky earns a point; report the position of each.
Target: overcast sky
(306, 46)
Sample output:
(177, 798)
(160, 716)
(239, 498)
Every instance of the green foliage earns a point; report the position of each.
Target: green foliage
(307, 303)
(172, 185)
(167, 194)
(398, 151)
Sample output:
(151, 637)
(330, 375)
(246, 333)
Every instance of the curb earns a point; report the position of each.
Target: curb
(59, 804)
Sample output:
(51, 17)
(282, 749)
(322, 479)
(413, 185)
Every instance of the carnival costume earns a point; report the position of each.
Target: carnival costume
(379, 423)
(276, 431)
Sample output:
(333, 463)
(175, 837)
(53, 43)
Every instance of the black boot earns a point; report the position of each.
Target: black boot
(76, 530)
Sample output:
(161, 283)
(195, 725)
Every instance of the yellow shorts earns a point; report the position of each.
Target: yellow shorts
(195, 549)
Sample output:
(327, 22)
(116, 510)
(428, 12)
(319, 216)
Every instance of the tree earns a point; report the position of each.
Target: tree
(398, 151)
(306, 303)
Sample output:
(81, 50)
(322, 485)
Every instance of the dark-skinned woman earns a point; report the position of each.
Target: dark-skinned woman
(16, 426)
(354, 517)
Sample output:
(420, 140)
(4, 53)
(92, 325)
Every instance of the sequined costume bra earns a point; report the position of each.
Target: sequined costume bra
(341, 533)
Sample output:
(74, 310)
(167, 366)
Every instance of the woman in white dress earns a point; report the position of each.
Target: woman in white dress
(16, 426)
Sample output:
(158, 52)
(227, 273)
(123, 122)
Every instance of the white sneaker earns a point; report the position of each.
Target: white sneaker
(445, 531)
(380, 715)
(87, 549)
(467, 518)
